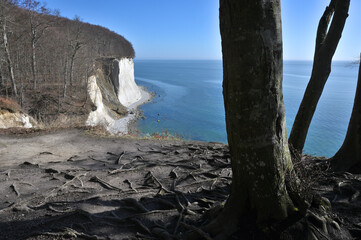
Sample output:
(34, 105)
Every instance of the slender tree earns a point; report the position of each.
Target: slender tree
(38, 25)
(327, 39)
(75, 43)
(65, 76)
(348, 157)
(2, 82)
(4, 14)
(255, 117)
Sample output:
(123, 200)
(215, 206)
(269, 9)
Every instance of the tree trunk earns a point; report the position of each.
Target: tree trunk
(255, 115)
(326, 44)
(33, 63)
(21, 92)
(65, 77)
(8, 59)
(2, 82)
(86, 83)
(348, 157)
(71, 69)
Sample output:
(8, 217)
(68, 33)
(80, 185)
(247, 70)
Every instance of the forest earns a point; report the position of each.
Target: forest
(45, 59)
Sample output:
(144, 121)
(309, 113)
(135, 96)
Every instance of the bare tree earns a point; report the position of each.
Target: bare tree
(2, 82)
(75, 43)
(327, 39)
(65, 75)
(38, 25)
(255, 117)
(4, 15)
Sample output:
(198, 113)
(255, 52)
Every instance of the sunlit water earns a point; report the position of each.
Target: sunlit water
(189, 101)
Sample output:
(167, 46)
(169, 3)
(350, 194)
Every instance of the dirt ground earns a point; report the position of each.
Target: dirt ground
(70, 184)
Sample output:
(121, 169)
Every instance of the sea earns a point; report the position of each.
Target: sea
(188, 101)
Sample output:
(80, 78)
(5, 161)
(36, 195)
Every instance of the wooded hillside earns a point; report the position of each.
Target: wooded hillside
(45, 59)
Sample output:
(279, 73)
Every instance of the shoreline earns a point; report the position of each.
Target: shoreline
(126, 124)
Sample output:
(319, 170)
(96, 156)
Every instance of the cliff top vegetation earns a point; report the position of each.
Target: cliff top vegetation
(47, 58)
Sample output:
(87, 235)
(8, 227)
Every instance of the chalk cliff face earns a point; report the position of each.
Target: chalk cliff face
(128, 92)
(112, 90)
(102, 115)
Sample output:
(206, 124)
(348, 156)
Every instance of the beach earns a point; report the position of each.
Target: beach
(122, 126)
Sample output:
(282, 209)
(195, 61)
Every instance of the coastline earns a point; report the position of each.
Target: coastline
(126, 124)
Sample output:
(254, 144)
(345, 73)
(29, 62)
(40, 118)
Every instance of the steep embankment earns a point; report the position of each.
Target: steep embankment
(112, 90)
(47, 61)
(11, 115)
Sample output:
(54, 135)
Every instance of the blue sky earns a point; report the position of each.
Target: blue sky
(189, 29)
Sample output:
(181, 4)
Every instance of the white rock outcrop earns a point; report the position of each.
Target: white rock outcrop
(10, 120)
(101, 115)
(128, 92)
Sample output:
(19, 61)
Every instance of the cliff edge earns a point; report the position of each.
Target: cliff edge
(112, 89)
(11, 115)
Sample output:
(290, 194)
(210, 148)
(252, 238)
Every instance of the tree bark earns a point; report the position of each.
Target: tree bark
(2, 82)
(255, 115)
(33, 58)
(348, 157)
(8, 58)
(71, 67)
(65, 75)
(75, 50)
(86, 83)
(33, 64)
(326, 44)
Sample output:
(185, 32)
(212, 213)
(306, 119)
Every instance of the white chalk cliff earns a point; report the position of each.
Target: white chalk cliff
(101, 115)
(126, 91)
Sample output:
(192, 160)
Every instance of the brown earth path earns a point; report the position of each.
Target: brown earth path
(70, 184)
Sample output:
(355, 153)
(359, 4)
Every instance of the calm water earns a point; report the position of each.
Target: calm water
(189, 101)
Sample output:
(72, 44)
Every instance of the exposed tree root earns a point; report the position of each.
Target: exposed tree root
(158, 194)
(105, 184)
(198, 231)
(120, 157)
(69, 233)
(13, 186)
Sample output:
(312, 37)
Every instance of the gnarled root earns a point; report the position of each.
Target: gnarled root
(316, 224)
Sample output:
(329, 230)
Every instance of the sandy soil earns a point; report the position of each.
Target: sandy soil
(73, 185)
(69, 183)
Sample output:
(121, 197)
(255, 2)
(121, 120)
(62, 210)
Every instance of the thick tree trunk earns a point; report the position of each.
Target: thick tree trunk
(8, 59)
(348, 158)
(255, 115)
(326, 44)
